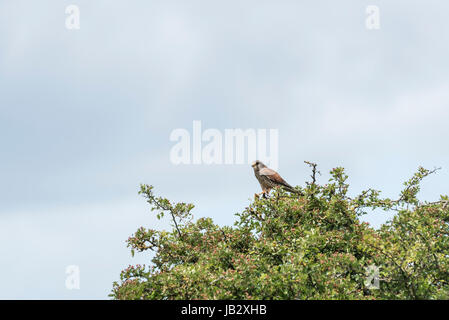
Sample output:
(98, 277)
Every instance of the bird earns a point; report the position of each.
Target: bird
(268, 178)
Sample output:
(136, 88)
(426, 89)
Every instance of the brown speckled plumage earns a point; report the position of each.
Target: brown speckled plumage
(269, 178)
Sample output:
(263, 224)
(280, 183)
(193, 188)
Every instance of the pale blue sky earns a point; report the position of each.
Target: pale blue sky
(86, 115)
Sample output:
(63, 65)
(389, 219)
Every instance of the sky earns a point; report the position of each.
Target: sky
(86, 116)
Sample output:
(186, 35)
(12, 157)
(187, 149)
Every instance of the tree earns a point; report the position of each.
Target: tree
(288, 246)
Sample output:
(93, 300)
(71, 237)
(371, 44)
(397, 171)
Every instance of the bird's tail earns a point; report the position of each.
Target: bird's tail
(291, 189)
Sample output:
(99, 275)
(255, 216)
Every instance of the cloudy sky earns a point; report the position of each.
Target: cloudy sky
(86, 115)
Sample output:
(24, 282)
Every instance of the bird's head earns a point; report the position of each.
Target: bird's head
(257, 165)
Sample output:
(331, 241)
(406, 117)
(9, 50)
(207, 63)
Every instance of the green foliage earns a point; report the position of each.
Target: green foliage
(311, 246)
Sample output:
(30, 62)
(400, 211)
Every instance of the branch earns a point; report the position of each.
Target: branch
(314, 170)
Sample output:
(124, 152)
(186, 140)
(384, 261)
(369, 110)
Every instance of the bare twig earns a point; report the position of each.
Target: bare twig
(314, 170)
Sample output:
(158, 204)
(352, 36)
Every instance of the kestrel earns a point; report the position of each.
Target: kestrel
(269, 178)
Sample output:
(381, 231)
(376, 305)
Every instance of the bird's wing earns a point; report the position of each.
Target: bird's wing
(273, 176)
